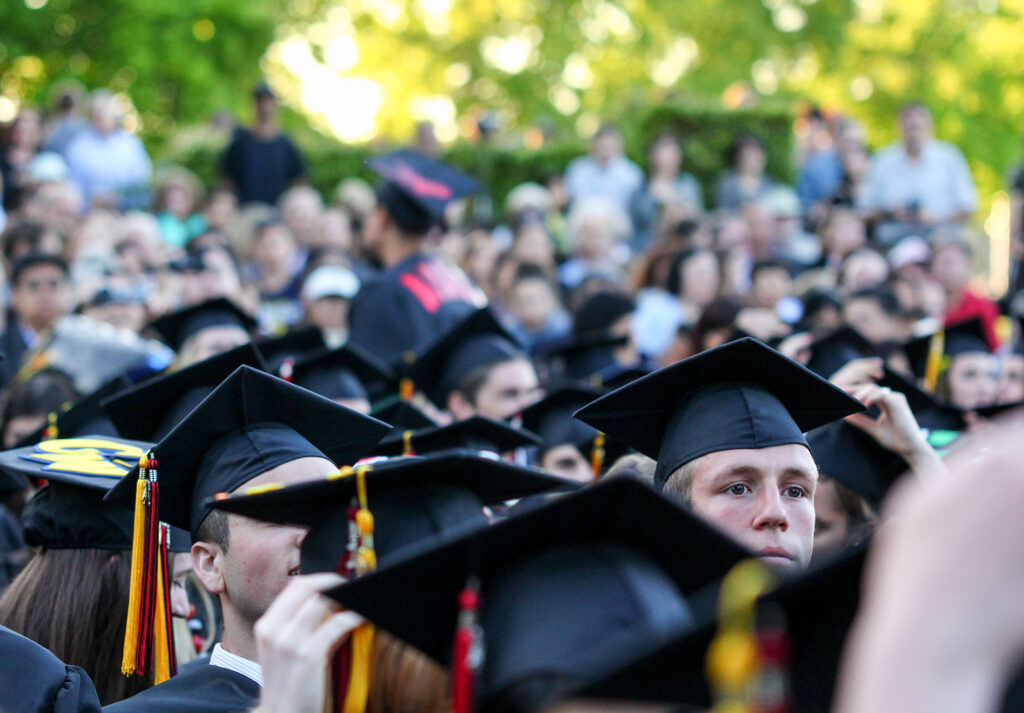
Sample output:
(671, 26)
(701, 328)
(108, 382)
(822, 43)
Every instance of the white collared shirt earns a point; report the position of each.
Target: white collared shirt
(234, 662)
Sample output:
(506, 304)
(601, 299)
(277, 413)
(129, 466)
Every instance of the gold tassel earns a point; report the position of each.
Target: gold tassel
(358, 690)
(597, 455)
(407, 443)
(131, 632)
(405, 388)
(161, 644)
(51, 428)
(936, 349)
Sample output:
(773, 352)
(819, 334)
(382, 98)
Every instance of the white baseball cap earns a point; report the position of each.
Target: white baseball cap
(330, 281)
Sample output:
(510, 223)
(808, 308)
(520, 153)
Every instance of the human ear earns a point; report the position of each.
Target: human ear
(207, 565)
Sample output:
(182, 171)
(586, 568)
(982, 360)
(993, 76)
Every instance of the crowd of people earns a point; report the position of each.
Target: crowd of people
(630, 441)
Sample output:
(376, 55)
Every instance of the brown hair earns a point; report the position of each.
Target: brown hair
(75, 603)
(404, 680)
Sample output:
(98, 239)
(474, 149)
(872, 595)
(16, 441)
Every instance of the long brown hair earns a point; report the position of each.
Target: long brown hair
(404, 680)
(75, 603)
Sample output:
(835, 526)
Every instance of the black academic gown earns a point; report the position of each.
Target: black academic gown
(199, 689)
(32, 680)
(408, 305)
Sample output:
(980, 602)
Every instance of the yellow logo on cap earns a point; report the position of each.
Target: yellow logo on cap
(87, 456)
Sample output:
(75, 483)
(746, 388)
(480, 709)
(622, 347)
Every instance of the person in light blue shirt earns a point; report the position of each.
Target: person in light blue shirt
(109, 165)
(605, 173)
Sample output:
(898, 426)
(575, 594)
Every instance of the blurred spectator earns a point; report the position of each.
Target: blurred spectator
(211, 271)
(745, 180)
(66, 118)
(919, 181)
(334, 232)
(301, 209)
(690, 284)
(28, 404)
(877, 315)
(276, 271)
(605, 173)
(56, 206)
(178, 192)
(862, 269)
(109, 165)
(951, 264)
(795, 245)
(21, 239)
(666, 184)
(261, 163)
(40, 295)
(535, 310)
(16, 153)
(821, 171)
(596, 229)
(426, 140)
(326, 294)
(221, 210)
(841, 233)
(120, 302)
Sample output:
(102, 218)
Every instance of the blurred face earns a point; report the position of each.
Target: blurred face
(866, 316)
(125, 315)
(701, 279)
(666, 156)
(606, 146)
(973, 380)
(218, 278)
(831, 522)
(864, 269)
(1011, 380)
(916, 127)
(261, 556)
(593, 241)
(266, 107)
(335, 230)
(182, 568)
(770, 285)
(41, 295)
(275, 246)
(221, 210)
(534, 244)
(952, 267)
(533, 303)
(751, 159)
(764, 498)
(302, 214)
(104, 116)
(213, 341)
(509, 388)
(178, 200)
(21, 427)
(567, 462)
(328, 312)
(845, 234)
(27, 129)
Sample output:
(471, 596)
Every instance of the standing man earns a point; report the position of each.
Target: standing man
(253, 430)
(726, 427)
(261, 163)
(418, 295)
(605, 173)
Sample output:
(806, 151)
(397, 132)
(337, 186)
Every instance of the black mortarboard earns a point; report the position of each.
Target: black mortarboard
(474, 434)
(476, 342)
(568, 589)
(818, 607)
(401, 414)
(251, 423)
(579, 357)
(618, 376)
(176, 328)
(84, 417)
(148, 411)
(296, 345)
(344, 373)
(855, 459)
(599, 311)
(961, 338)
(739, 395)
(834, 351)
(417, 189)
(941, 421)
(412, 500)
(69, 512)
(551, 418)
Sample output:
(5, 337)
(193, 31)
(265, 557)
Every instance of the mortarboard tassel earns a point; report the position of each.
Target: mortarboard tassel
(407, 444)
(164, 664)
(287, 369)
(597, 455)
(405, 388)
(131, 633)
(933, 367)
(51, 427)
(466, 649)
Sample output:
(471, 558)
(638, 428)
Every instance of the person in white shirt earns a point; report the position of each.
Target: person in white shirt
(605, 173)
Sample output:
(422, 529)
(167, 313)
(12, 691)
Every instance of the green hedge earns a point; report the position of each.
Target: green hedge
(707, 135)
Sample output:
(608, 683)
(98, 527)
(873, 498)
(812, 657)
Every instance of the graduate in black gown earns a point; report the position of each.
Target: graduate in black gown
(418, 295)
(32, 680)
(254, 429)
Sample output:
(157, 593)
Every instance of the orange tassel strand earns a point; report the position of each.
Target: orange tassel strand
(597, 455)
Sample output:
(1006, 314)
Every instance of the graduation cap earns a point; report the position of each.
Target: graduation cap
(834, 351)
(84, 417)
(417, 189)
(176, 328)
(568, 590)
(344, 373)
(477, 342)
(739, 395)
(961, 338)
(942, 422)
(294, 346)
(618, 376)
(855, 459)
(148, 411)
(580, 357)
(411, 499)
(818, 609)
(476, 433)
(69, 512)
(552, 419)
(251, 423)
(401, 414)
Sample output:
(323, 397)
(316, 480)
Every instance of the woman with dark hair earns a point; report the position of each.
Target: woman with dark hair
(29, 403)
(746, 179)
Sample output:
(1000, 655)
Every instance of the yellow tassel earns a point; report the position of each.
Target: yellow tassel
(161, 646)
(51, 428)
(936, 348)
(131, 631)
(407, 443)
(405, 388)
(597, 455)
(358, 691)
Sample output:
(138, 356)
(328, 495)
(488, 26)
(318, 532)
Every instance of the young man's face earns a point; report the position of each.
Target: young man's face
(262, 556)
(762, 497)
(567, 462)
(41, 295)
(509, 388)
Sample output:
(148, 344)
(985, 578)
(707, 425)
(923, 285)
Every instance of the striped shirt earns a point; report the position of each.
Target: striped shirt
(234, 662)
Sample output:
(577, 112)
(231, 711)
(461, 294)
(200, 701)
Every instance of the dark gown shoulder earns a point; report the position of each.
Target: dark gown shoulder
(199, 689)
(33, 680)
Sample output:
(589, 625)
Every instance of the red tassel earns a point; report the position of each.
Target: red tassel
(287, 369)
(165, 532)
(467, 649)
